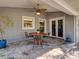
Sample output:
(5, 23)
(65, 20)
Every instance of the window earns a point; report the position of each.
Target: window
(28, 22)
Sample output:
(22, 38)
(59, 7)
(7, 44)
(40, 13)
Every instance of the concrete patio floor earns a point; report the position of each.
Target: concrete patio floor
(54, 49)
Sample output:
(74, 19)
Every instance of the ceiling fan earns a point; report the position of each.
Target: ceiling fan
(39, 10)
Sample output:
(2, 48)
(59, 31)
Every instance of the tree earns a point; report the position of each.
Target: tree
(5, 22)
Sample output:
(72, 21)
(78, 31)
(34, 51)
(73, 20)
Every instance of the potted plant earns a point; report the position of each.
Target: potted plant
(5, 22)
(38, 30)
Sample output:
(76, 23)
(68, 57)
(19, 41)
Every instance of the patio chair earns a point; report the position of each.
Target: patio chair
(28, 36)
(46, 38)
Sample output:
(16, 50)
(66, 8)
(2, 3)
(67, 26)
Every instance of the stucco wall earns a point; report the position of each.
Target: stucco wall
(69, 23)
(16, 33)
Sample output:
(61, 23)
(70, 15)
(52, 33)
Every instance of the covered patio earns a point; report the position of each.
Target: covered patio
(39, 29)
(55, 49)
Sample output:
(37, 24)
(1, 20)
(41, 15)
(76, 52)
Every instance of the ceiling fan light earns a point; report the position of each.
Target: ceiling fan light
(38, 13)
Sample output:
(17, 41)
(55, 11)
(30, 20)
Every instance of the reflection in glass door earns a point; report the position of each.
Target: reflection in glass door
(42, 25)
(54, 28)
(60, 28)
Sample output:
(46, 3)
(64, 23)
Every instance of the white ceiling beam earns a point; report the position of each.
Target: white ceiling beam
(62, 6)
(65, 5)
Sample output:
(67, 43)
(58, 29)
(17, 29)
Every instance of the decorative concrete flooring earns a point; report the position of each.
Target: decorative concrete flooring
(54, 49)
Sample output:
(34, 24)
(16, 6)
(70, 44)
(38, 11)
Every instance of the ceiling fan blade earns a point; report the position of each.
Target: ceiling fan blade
(43, 10)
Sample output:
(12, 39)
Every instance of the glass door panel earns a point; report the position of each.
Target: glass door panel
(60, 28)
(54, 28)
(42, 26)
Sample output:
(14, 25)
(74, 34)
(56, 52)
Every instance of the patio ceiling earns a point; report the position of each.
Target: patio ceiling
(68, 6)
(74, 3)
(26, 4)
(62, 5)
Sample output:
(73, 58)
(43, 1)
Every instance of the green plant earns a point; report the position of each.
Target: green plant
(5, 22)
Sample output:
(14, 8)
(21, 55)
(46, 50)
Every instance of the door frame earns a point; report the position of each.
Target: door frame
(50, 26)
(76, 31)
(43, 20)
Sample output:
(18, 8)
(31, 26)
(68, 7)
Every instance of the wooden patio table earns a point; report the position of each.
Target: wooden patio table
(38, 34)
(37, 40)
